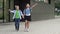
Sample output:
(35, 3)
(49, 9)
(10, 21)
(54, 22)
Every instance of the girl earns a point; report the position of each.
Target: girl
(27, 14)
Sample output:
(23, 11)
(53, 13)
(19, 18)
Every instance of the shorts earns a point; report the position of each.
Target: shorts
(28, 18)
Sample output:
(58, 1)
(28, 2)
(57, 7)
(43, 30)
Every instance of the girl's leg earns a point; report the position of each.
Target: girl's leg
(27, 25)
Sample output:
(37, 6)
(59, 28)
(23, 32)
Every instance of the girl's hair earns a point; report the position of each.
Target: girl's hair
(27, 3)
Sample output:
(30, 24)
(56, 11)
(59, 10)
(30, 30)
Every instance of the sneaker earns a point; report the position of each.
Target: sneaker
(26, 30)
(17, 29)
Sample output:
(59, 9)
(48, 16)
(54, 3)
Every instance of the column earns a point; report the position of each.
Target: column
(6, 9)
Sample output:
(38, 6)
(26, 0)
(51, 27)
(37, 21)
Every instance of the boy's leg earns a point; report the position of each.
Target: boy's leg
(17, 24)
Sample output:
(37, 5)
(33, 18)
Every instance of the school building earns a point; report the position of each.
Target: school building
(44, 10)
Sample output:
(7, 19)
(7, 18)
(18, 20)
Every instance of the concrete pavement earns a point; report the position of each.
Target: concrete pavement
(51, 26)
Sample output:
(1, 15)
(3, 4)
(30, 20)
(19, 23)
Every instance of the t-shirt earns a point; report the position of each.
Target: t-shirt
(17, 14)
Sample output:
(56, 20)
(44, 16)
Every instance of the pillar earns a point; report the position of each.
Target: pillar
(6, 10)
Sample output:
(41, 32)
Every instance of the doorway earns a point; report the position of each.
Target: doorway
(21, 3)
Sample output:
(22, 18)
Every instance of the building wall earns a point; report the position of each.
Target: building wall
(42, 11)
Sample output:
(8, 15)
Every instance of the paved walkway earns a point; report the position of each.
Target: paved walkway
(51, 26)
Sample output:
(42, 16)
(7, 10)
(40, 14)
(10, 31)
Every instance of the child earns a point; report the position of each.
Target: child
(27, 13)
(17, 16)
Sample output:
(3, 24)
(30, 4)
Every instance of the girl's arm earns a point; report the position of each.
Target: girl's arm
(34, 5)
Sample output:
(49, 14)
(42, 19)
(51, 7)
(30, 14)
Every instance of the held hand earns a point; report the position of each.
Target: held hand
(23, 17)
(24, 14)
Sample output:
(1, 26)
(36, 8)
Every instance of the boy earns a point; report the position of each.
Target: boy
(27, 14)
(17, 16)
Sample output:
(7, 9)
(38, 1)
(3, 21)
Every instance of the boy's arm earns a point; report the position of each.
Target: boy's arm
(24, 12)
(11, 11)
(22, 15)
(34, 5)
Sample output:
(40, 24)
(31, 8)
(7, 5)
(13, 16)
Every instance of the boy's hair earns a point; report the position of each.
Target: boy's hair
(16, 5)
